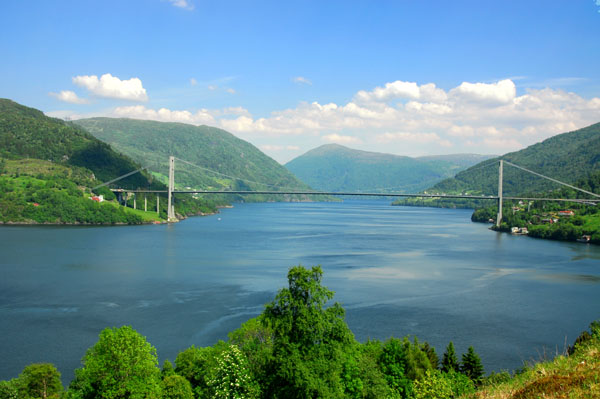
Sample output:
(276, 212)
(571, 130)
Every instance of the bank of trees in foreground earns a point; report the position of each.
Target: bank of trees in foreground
(297, 348)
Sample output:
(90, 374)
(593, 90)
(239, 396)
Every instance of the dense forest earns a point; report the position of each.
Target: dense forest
(48, 168)
(297, 348)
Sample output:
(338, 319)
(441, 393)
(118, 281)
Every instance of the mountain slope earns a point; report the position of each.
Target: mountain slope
(333, 167)
(28, 133)
(567, 157)
(239, 165)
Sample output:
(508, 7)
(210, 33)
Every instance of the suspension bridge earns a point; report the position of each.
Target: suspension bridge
(499, 197)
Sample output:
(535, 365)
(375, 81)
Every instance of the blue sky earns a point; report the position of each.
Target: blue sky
(404, 77)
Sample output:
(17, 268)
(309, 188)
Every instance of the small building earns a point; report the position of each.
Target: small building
(97, 198)
(566, 213)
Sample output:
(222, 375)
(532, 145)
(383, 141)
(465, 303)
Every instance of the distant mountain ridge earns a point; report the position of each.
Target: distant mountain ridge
(239, 164)
(567, 157)
(333, 167)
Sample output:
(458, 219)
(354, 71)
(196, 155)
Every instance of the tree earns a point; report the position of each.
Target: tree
(471, 365)
(233, 379)
(309, 340)
(449, 359)
(431, 354)
(177, 387)
(434, 385)
(198, 366)
(393, 365)
(40, 380)
(122, 364)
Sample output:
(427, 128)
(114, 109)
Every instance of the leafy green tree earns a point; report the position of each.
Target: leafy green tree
(431, 355)
(460, 383)
(9, 389)
(393, 361)
(374, 381)
(309, 340)
(167, 369)
(417, 360)
(40, 380)
(471, 366)
(449, 359)
(255, 340)
(434, 385)
(232, 379)
(198, 366)
(122, 364)
(176, 387)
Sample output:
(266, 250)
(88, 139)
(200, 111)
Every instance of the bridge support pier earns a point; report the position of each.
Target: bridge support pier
(134, 203)
(170, 207)
(157, 203)
(145, 202)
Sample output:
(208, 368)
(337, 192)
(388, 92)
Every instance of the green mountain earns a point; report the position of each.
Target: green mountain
(567, 157)
(28, 133)
(333, 167)
(48, 167)
(220, 161)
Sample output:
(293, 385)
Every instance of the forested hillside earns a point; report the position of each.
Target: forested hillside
(567, 157)
(333, 167)
(48, 167)
(238, 164)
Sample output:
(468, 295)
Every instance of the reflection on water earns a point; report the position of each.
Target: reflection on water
(397, 271)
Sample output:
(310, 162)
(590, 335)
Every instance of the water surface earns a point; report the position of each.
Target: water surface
(396, 270)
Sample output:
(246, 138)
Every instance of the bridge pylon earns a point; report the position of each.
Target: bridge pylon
(170, 207)
(499, 217)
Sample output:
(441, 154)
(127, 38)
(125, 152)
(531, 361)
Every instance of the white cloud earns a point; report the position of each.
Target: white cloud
(69, 96)
(185, 4)
(473, 117)
(193, 82)
(302, 80)
(501, 92)
(336, 138)
(230, 91)
(200, 117)
(212, 87)
(109, 86)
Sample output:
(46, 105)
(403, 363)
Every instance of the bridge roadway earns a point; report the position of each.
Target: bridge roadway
(359, 194)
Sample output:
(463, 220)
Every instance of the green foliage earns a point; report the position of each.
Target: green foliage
(393, 361)
(232, 379)
(122, 364)
(566, 157)
(255, 340)
(434, 385)
(471, 365)
(40, 380)
(449, 359)
(198, 366)
(55, 199)
(9, 389)
(333, 167)
(151, 143)
(309, 339)
(176, 387)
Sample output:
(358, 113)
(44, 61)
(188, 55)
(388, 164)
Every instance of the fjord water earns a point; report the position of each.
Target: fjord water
(396, 270)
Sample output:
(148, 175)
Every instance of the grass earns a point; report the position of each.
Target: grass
(574, 377)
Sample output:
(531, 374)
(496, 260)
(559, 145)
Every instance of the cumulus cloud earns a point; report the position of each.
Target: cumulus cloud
(69, 96)
(193, 82)
(501, 92)
(407, 118)
(302, 80)
(109, 86)
(185, 4)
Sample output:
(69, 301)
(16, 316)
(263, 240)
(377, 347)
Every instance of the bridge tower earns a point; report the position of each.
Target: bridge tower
(499, 217)
(170, 207)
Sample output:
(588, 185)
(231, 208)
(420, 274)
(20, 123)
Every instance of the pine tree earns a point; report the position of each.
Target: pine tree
(471, 365)
(449, 360)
